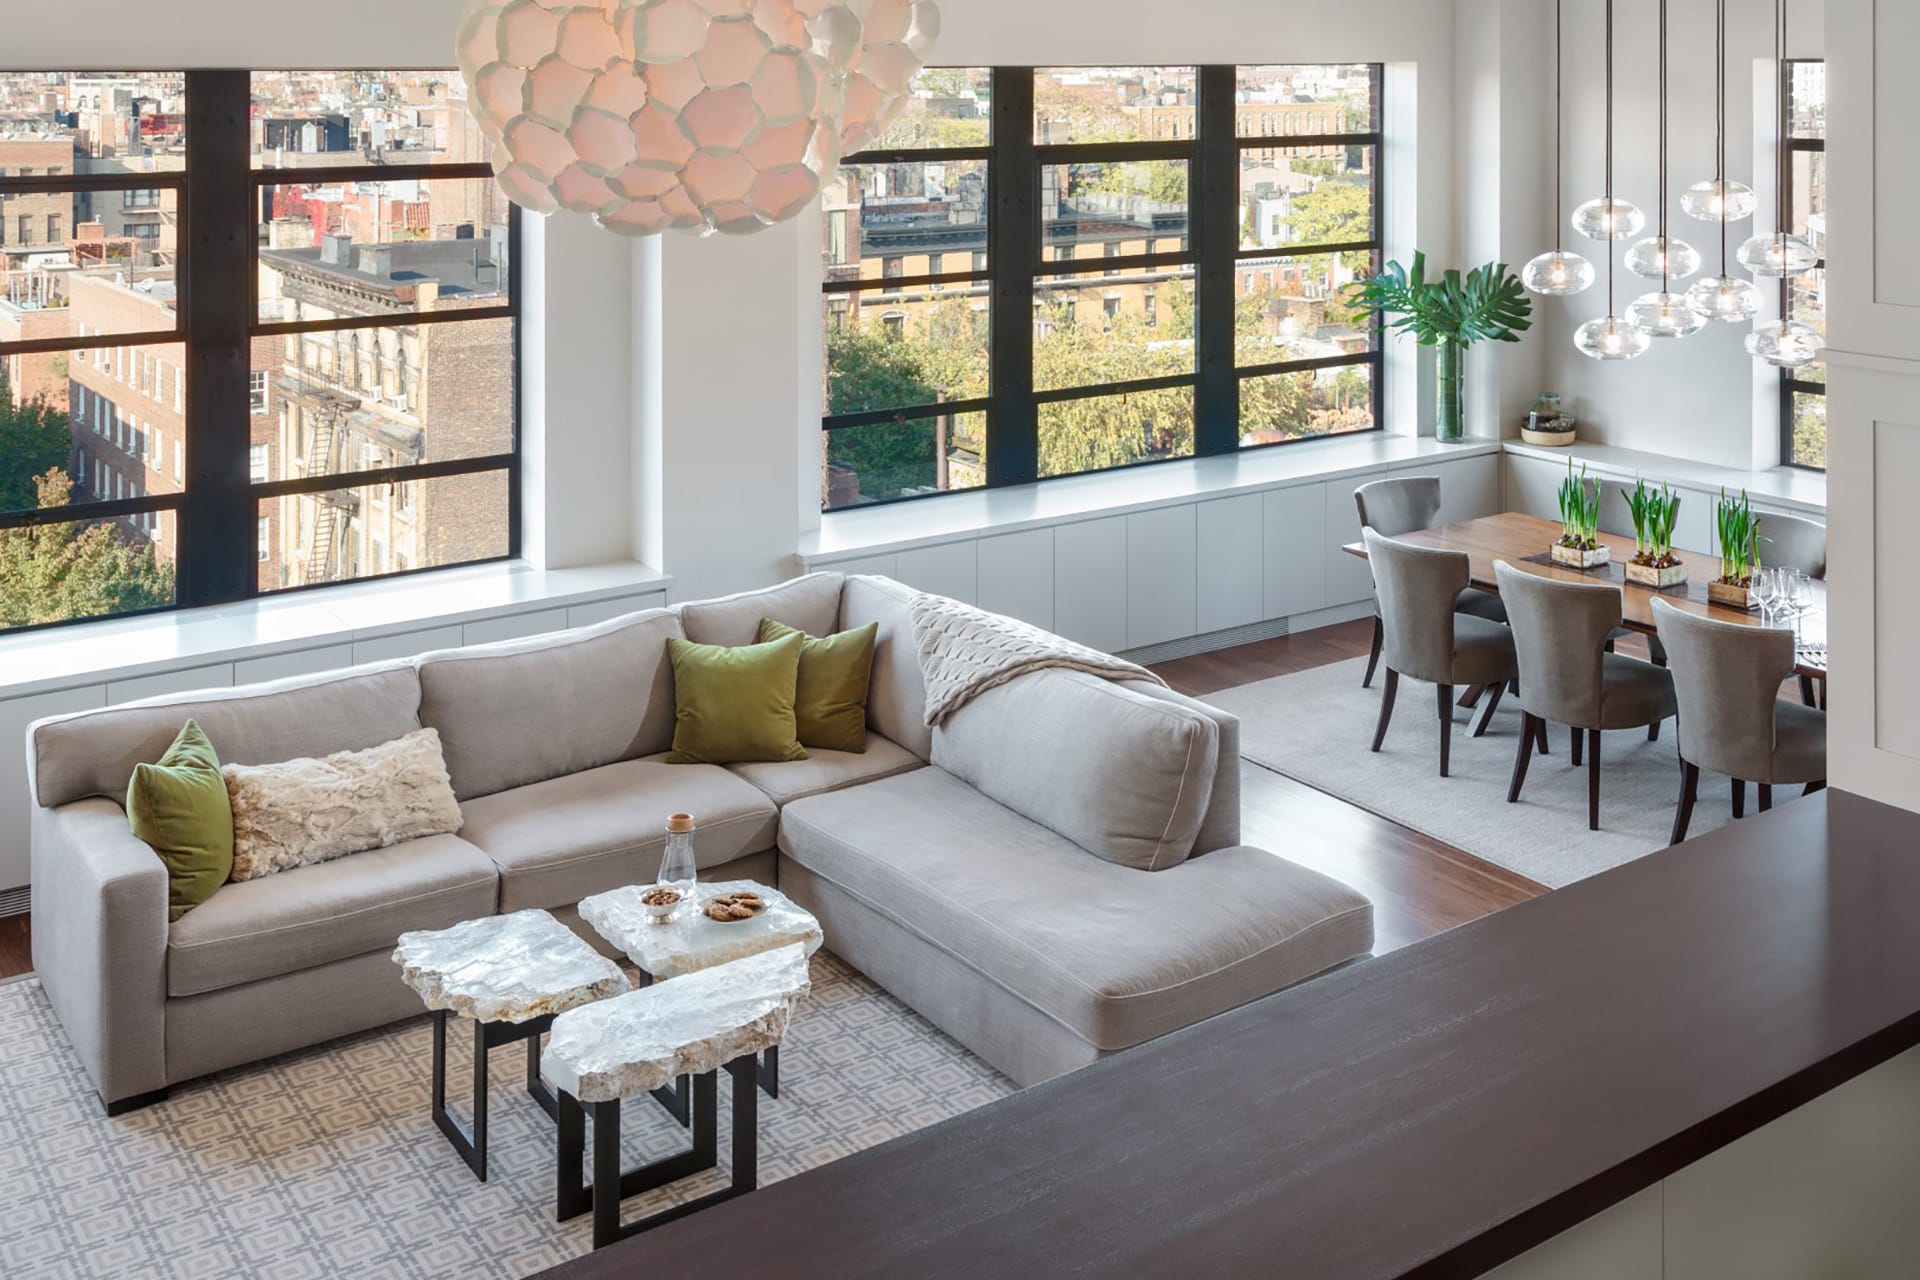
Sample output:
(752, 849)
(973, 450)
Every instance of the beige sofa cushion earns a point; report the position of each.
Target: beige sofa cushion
(93, 753)
(528, 710)
(789, 780)
(1116, 955)
(1123, 776)
(562, 840)
(897, 696)
(1221, 827)
(311, 915)
(810, 604)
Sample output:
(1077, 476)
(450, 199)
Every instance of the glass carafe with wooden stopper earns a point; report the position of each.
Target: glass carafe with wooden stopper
(676, 861)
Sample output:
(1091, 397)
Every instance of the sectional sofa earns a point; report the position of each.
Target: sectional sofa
(1053, 875)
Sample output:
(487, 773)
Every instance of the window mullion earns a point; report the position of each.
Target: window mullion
(217, 534)
(1213, 200)
(1013, 232)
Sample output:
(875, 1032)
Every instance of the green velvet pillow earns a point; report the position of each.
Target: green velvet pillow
(179, 807)
(835, 673)
(735, 705)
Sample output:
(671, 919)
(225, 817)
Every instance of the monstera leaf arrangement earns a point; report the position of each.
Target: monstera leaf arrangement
(1451, 314)
(685, 115)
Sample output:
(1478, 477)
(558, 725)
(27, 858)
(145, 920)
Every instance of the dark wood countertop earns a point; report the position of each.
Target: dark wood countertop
(1433, 1112)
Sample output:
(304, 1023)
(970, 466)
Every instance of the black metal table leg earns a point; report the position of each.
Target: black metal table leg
(673, 1097)
(487, 1036)
(770, 1071)
(536, 1087)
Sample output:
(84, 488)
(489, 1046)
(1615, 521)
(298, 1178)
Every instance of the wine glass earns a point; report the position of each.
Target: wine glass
(1766, 590)
(1799, 594)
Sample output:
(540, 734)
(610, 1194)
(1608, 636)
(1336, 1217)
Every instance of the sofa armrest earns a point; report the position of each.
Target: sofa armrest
(100, 943)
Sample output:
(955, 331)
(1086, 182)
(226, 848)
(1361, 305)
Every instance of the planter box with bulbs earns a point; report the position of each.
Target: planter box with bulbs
(1579, 546)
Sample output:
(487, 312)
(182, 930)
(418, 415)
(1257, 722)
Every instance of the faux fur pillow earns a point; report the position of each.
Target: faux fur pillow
(304, 811)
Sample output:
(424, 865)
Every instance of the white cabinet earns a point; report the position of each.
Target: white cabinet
(514, 627)
(948, 569)
(884, 566)
(15, 804)
(1294, 554)
(1533, 486)
(1160, 590)
(1016, 575)
(406, 644)
(1348, 578)
(188, 680)
(1469, 487)
(1090, 582)
(1694, 531)
(586, 615)
(301, 662)
(1229, 580)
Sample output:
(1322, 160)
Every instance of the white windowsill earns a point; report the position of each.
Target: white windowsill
(120, 649)
(904, 525)
(1779, 486)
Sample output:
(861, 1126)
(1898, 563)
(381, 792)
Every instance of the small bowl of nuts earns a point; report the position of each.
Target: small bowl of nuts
(661, 901)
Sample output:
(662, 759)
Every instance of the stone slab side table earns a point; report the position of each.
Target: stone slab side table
(636, 1044)
(510, 975)
(691, 942)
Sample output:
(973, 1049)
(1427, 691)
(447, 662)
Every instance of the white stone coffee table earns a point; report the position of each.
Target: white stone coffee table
(640, 1042)
(511, 975)
(690, 943)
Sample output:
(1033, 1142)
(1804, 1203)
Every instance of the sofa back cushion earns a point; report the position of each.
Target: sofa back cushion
(1221, 828)
(527, 710)
(810, 604)
(1124, 776)
(93, 753)
(897, 694)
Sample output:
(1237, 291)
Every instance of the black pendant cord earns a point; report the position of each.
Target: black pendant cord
(1720, 123)
(1666, 245)
(1559, 138)
(1612, 213)
(1781, 214)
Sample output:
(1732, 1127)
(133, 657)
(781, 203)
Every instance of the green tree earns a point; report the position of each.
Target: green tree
(34, 438)
(939, 354)
(1335, 212)
(75, 569)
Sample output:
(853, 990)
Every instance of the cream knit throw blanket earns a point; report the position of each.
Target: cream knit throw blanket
(966, 651)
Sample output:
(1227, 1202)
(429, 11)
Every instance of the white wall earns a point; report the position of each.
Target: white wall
(1692, 398)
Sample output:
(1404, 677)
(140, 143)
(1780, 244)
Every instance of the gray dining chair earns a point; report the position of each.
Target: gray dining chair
(1791, 542)
(1560, 632)
(1732, 719)
(1428, 639)
(1402, 506)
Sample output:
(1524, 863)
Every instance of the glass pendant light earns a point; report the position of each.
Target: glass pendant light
(1785, 343)
(1779, 253)
(1718, 199)
(1725, 297)
(1557, 273)
(1609, 219)
(1610, 337)
(1663, 314)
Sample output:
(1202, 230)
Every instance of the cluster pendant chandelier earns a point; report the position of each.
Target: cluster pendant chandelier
(1725, 297)
(685, 115)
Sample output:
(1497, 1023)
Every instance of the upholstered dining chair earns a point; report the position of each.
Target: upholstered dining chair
(1732, 719)
(1401, 506)
(1428, 639)
(1560, 632)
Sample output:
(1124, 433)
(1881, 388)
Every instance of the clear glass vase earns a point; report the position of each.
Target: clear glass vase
(1449, 418)
(676, 862)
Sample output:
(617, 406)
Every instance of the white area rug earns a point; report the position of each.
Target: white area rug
(1316, 726)
(325, 1163)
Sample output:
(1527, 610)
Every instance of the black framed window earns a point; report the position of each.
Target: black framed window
(1803, 125)
(1157, 258)
(273, 346)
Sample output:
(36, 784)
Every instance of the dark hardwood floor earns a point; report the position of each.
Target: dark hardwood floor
(1419, 886)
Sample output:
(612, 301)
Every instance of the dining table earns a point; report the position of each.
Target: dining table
(1526, 543)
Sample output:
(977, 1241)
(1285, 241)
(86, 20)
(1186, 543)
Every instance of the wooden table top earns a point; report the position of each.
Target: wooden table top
(1517, 538)
(1432, 1112)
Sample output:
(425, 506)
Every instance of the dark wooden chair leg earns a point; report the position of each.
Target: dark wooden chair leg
(1766, 797)
(1593, 779)
(1373, 657)
(1653, 732)
(1529, 727)
(1812, 787)
(1739, 798)
(1609, 645)
(1540, 735)
(1807, 694)
(1495, 692)
(1689, 792)
(1471, 698)
(1386, 707)
(1513, 686)
(1575, 736)
(1443, 694)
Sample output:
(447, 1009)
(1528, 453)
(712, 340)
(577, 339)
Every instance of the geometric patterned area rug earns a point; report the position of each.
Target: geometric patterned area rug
(325, 1162)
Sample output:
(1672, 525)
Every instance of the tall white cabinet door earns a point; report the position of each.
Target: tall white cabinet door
(949, 569)
(15, 804)
(1694, 531)
(1161, 592)
(1469, 487)
(1016, 575)
(1294, 550)
(1533, 486)
(1090, 582)
(1348, 578)
(1229, 577)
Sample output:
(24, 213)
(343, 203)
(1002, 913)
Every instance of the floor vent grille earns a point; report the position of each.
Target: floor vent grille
(15, 902)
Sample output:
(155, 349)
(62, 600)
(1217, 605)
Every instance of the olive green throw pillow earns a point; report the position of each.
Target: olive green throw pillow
(735, 706)
(179, 807)
(835, 673)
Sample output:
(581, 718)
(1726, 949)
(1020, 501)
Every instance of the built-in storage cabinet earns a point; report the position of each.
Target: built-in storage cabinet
(1533, 486)
(1170, 576)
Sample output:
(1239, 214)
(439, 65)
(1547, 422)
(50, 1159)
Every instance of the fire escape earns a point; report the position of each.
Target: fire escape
(324, 413)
